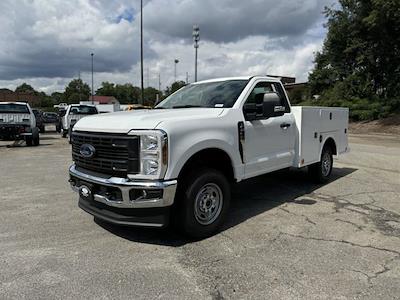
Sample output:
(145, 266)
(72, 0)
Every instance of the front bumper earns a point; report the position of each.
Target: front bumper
(121, 201)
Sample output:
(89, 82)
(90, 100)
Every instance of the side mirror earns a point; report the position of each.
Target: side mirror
(272, 106)
(254, 111)
(266, 106)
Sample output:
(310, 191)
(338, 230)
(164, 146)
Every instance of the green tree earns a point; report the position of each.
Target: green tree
(174, 87)
(58, 97)
(77, 91)
(150, 96)
(124, 93)
(106, 89)
(361, 53)
(25, 88)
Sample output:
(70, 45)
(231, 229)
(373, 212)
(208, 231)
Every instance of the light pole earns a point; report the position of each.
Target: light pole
(92, 54)
(176, 62)
(141, 53)
(196, 39)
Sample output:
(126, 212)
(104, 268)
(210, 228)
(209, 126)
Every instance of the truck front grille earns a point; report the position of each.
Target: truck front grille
(114, 154)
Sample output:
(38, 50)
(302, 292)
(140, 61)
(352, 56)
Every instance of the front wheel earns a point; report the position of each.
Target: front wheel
(321, 171)
(204, 203)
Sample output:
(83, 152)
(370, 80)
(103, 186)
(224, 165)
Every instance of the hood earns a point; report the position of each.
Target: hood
(123, 122)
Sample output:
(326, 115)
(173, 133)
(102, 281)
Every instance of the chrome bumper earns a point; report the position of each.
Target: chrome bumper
(125, 186)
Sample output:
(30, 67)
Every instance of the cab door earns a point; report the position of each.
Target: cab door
(269, 143)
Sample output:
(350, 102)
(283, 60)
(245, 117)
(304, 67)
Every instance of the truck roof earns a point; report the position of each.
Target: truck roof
(238, 78)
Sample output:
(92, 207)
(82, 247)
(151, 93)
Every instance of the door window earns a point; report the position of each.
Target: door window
(269, 87)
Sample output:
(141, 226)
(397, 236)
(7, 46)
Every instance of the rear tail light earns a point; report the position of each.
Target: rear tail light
(22, 130)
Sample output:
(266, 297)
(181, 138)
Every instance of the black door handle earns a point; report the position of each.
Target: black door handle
(285, 125)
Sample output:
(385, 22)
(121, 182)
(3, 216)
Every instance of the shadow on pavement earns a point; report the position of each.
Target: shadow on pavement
(24, 146)
(249, 198)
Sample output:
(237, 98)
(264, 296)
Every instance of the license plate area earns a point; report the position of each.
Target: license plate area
(87, 190)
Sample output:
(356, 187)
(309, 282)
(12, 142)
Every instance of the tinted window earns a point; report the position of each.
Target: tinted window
(211, 94)
(14, 108)
(83, 110)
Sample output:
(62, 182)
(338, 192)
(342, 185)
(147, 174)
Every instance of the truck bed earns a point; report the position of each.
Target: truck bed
(314, 126)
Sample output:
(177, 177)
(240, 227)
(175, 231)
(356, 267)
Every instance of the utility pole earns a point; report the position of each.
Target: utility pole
(176, 62)
(159, 82)
(79, 86)
(92, 54)
(148, 77)
(187, 77)
(141, 53)
(196, 39)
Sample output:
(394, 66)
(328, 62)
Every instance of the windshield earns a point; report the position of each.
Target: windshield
(211, 94)
(14, 108)
(83, 110)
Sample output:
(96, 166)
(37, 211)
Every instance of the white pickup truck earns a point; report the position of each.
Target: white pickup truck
(18, 122)
(72, 114)
(177, 162)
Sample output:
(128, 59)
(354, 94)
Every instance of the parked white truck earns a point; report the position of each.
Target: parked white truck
(18, 122)
(72, 114)
(178, 161)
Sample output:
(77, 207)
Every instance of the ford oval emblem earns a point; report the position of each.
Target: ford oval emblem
(87, 151)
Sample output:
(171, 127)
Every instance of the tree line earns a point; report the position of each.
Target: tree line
(359, 64)
(77, 90)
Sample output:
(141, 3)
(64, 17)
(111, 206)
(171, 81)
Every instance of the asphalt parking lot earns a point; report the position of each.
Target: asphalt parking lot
(286, 237)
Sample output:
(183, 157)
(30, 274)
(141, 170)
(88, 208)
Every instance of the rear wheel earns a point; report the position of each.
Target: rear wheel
(322, 170)
(28, 140)
(204, 203)
(35, 137)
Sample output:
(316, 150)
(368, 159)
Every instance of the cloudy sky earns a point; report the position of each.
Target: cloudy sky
(47, 42)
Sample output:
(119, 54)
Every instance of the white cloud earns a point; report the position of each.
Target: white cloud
(46, 43)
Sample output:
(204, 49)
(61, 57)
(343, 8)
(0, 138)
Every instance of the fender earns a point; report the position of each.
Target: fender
(324, 140)
(191, 149)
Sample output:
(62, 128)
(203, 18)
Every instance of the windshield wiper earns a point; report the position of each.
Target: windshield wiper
(186, 106)
(159, 107)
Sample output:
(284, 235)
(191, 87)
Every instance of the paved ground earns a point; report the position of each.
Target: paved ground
(286, 238)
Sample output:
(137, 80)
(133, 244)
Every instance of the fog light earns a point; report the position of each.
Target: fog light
(140, 195)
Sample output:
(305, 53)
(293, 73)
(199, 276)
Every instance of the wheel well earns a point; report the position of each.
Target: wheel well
(213, 158)
(331, 144)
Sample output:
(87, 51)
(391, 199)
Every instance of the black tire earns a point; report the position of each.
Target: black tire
(64, 133)
(199, 216)
(28, 141)
(58, 129)
(36, 141)
(321, 171)
(35, 137)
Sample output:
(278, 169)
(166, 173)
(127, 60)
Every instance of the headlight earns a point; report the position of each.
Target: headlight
(153, 154)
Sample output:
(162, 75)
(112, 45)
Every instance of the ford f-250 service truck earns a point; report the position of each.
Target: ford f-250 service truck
(176, 162)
